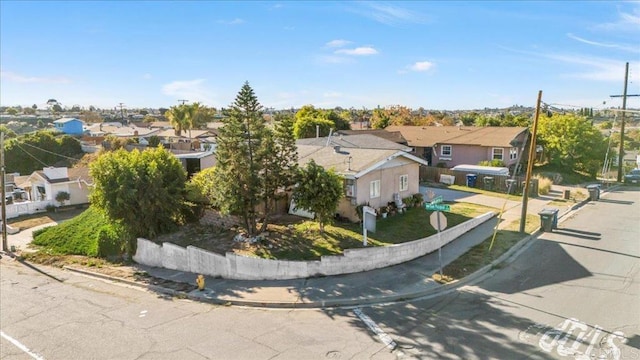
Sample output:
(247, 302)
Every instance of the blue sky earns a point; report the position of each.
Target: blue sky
(435, 55)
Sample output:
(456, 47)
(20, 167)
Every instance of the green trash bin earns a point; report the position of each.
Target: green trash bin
(488, 182)
(548, 219)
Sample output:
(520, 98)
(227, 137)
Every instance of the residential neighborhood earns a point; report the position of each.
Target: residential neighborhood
(319, 180)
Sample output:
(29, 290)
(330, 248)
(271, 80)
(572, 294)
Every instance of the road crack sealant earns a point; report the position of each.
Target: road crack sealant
(383, 336)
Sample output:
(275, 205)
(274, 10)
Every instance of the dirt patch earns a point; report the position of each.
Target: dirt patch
(29, 221)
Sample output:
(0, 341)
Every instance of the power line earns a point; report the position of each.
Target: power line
(28, 153)
(51, 152)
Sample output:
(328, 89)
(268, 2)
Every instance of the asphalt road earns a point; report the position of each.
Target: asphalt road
(572, 294)
(65, 316)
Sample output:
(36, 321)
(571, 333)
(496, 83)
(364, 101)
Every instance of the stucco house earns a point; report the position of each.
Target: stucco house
(371, 176)
(449, 146)
(71, 126)
(43, 185)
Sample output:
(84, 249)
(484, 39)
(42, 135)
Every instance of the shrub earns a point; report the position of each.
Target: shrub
(418, 199)
(62, 196)
(409, 201)
(494, 162)
(50, 208)
(110, 241)
(544, 184)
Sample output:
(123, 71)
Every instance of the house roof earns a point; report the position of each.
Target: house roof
(362, 141)
(394, 136)
(131, 131)
(65, 120)
(488, 136)
(73, 175)
(350, 162)
(428, 136)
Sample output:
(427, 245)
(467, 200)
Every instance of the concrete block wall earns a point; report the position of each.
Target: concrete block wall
(232, 266)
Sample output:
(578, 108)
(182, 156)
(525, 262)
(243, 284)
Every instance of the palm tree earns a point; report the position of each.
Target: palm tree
(177, 116)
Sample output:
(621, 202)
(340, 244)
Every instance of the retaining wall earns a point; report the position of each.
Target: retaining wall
(233, 266)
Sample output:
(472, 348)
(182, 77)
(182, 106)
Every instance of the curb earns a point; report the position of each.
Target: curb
(207, 296)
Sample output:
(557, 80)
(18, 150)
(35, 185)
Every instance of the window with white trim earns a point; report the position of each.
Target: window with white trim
(497, 154)
(446, 150)
(404, 182)
(374, 189)
(513, 153)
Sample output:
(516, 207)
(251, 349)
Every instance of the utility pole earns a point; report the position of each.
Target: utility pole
(532, 156)
(122, 112)
(183, 101)
(624, 114)
(5, 247)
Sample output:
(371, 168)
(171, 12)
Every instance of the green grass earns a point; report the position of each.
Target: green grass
(305, 242)
(77, 236)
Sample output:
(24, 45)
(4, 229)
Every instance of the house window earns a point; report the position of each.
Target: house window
(404, 182)
(374, 189)
(445, 150)
(497, 154)
(513, 153)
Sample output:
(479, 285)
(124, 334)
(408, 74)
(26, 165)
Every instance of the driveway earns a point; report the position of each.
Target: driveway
(24, 237)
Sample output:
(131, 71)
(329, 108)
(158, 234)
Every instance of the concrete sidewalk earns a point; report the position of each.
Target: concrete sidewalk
(406, 281)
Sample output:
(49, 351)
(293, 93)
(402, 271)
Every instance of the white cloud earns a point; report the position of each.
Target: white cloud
(595, 68)
(17, 78)
(421, 66)
(192, 90)
(359, 51)
(635, 49)
(389, 14)
(236, 21)
(337, 43)
(626, 22)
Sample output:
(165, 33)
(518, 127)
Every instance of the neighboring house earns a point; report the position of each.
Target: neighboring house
(194, 162)
(357, 140)
(71, 126)
(394, 136)
(449, 146)
(371, 176)
(44, 185)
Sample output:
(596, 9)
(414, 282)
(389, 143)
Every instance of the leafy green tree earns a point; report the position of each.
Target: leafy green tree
(380, 119)
(571, 141)
(8, 133)
(308, 118)
(12, 111)
(143, 191)
(239, 157)
(280, 163)
(62, 196)
(30, 152)
(318, 191)
(606, 125)
(154, 141)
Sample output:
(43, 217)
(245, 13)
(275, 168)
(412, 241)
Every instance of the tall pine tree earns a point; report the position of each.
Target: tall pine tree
(239, 155)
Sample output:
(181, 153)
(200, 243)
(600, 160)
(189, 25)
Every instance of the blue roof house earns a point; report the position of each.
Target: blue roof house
(71, 126)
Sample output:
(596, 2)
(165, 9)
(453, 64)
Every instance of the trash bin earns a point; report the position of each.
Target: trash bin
(594, 192)
(548, 219)
(471, 180)
(511, 186)
(488, 183)
(533, 187)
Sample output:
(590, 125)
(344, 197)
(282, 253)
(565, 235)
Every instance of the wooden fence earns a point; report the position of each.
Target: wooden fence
(488, 182)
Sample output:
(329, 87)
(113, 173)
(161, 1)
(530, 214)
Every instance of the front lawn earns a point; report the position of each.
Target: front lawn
(303, 241)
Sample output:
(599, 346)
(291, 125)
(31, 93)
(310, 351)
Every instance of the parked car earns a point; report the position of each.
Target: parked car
(633, 177)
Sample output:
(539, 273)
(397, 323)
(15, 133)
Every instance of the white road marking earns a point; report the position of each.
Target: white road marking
(20, 346)
(143, 313)
(384, 337)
